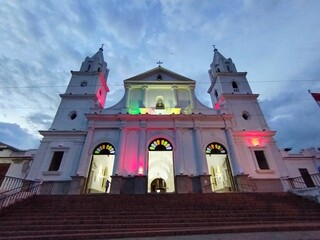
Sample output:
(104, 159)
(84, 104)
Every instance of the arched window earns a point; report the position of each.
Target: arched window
(159, 104)
(160, 144)
(216, 93)
(235, 86)
(104, 149)
(215, 148)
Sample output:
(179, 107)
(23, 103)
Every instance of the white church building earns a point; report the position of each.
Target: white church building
(159, 137)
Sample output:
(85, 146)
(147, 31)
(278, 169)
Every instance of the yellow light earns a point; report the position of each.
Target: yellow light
(255, 141)
(175, 110)
(143, 110)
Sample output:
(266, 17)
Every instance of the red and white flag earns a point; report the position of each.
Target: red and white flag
(316, 97)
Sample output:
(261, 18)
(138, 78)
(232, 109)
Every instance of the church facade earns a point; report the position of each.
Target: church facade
(159, 138)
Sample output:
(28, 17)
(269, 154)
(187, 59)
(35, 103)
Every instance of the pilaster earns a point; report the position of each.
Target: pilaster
(178, 156)
(119, 158)
(85, 158)
(142, 158)
(175, 95)
(234, 158)
(200, 156)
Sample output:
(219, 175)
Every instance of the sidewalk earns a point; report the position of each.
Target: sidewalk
(292, 235)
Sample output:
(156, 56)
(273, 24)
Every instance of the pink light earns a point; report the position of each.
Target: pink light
(140, 171)
(217, 106)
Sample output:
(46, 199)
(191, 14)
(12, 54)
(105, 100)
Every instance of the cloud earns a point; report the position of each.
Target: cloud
(275, 42)
(40, 120)
(16, 136)
(295, 116)
(121, 22)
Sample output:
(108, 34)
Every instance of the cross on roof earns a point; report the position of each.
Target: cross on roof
(214, 46)
(159, 62)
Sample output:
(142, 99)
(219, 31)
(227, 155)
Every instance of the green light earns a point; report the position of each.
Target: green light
(134, 108)
(134, 111)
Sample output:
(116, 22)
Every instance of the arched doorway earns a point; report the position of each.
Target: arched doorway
(101, 167)
(160, 166)
(219, 168)
(158, 185)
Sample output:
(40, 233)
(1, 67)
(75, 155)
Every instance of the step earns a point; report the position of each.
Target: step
(167, 232)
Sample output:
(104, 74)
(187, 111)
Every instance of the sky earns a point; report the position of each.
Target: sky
(276, 41)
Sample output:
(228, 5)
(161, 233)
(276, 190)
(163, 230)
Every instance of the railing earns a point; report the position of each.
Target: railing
(14, 189)
(301, 183)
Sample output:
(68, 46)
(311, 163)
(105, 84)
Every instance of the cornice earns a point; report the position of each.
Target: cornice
(62, 133)
(152, 117)
(254, 133)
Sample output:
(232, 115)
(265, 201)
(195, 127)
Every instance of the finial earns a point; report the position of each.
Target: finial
(214, 47)
(159, 62)
(101, 48)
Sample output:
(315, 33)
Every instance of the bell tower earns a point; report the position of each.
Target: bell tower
(230, 93)
(87, 91)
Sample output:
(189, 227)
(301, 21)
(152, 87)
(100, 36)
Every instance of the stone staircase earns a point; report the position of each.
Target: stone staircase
(99, 216)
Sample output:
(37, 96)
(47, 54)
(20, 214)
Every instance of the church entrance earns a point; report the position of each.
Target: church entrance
(99, 179)
(158, 186)
(219, 168)
(160, 167)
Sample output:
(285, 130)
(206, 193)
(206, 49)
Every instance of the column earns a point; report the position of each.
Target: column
(182, 178)
(204, 177)
(120, 152)
(144, 96)
(201, 157)
(178, 156)
(234, 159)
(175, 96)
(117, 178)
(85, 158)
(127, 94)
(192, 96)
(140, 180)
(142, 151)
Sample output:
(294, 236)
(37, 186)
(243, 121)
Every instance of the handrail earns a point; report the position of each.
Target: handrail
(13, 189)
(16, 189)
(301, 183)
(8, 183)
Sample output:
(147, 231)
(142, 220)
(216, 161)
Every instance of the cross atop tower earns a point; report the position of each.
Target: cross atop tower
(159, 62)
(214, 47)
(101, 48)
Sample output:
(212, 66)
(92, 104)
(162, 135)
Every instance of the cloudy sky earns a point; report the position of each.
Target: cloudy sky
(276, 41)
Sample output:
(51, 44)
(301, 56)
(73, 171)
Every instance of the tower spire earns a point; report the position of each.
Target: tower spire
(95, 63)
(220, 63)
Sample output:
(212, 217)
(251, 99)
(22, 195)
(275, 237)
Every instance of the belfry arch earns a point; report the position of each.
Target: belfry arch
(101, 167)
(160, 166)
(219, 168)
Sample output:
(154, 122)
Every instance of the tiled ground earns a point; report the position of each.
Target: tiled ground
(299, 235)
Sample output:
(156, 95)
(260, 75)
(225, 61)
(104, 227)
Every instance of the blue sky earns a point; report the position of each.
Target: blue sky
(276, 41)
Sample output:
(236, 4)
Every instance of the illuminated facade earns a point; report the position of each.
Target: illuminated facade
(158, 137)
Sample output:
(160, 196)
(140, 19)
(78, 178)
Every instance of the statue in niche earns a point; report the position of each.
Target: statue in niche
(160, 104)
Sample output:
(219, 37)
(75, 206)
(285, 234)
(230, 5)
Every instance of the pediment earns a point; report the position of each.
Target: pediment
(159, 75)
